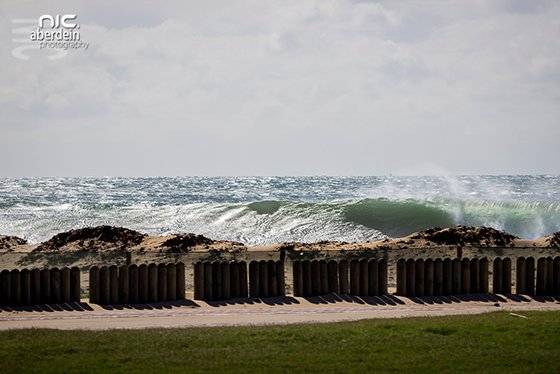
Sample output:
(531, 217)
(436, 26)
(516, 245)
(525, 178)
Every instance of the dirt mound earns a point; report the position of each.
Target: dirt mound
(182, 242)
(100, 238)
(466, 235)
(553, 240)
(8, 242)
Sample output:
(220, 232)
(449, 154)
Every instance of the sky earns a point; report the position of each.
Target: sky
(318, 87)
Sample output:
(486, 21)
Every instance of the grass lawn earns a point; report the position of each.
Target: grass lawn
(496, 342)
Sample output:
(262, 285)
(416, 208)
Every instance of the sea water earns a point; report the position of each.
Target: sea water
(267, 210)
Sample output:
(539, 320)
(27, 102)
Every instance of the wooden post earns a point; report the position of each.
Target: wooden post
(483, 274)
(133, 285)
(465, 276)
(541, 276)
(254, 279)
(226, 280)
(332, 269)
(419, 265)
(530, 280)
(343, 277)
(56, 295)
(75, 282)
(364, 278)
(383, 273)
(549, 287)
(114, 284)
(456, 281)
(234, 279)
(153, 280)
(324, 276)
(65, 285)
(162, 282)
(447, 277)
(104, 286)
(475, 276)
(307, 278)
(410, 278)
(25, 276)
(144, 284)
(373, 272)
(199, 281)
(35, 286)
(124, 285)
(280, 279)
(243, 288)
(263, 279)
(271, 278)
(180, 287)
(315, 278)
(520, 276)
(94, 285)
(438, 277)
(172, 282)
(354, 277)
(497, 276)
(401, 277)
(429, 277)
(297, 278)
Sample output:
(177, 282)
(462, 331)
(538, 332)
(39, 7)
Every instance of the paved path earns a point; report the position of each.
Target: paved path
(256, 312)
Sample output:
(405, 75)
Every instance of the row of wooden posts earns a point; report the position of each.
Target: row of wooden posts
(35, 286)
(222, 280)
(136, 284)
(357, 277)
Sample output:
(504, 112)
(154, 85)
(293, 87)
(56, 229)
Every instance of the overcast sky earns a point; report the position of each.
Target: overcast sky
(285, 88)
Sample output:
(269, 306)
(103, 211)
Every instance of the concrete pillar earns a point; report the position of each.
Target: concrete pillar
(75, 283)
(138, 284)
(153, 283)
(15, 282)
(114, 284)
(556, 262)
(124, 285)
(410, 278)
(56, 294)
(243, 284)
(144, 284)
(520, 276)
(5, 287)
(172, 282)
(94, 285)
(364, 278)
(162, 282)
(343, 277)
(225, 270)
(65, 285)
(180, 285)
(280, 279)
(530, 280)
(483, 275)
(216, 281)
(46, 286)
(263, 279)
(497, 276)
(354, 277)
(25, 276)
(447, 288)
(104, 286)
(429, 277)
(324, 276)
(307, 278)
(332, 270)
(438, 277)
(254, 279)
(506, 275)
(475, 276)
(383, 276)
(401, 277)
(456, 276)
(271, 278)
(541, 276)
(373, 272)
(297, 277)
(198, 281)
(549, 288)
(234, 279)
(315, 278)
(35, 286)
(465, 276)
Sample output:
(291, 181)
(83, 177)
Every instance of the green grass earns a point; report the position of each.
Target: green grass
(495, 342)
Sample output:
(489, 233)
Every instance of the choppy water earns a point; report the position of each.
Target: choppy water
(266, 210)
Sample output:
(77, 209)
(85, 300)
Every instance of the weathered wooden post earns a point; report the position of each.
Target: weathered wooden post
(243, 285)
(144, 284)
(25, 276)
(506, 275)
(419, 265)
(456, 281)
(447, 276)
(465, 276)
(254, 278)
(364, 278)
(438, 277)
(429, 277)
(104, 286)
(520, 276)
(475, 276)
(75, 281)
(410, 277)
(272, 278)
(354, 277)
(153, 281)
(133, 285)
(483, 275)
(324, 276)
(94, 285)
(114, 284)
(530, 280)
(332, 269)
(5, 287)
(401, 277)
(162, 282)
(46, 286)
(180, 287)
(307, 278)
(383, 273)
(343, 277)
(216, 281)
(263, 279)
(315, 278)
(199, 281)
(35, 286)
(557, 275)
(55, 285)
(280, 279)
(225, 271)
(15, 281)
(541, 276)
(497, 276)
(549, 287)
(65, 289)
(172, 282)
(124, 284)
(234, 279)
(297, 278)
(373, 272)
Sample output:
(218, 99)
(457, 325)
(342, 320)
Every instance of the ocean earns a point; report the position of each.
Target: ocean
(268, 210)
